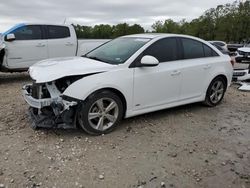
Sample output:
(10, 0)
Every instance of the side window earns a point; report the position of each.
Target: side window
(192, 49)
(164, 50)
(209, 52)
(57, 32)
(29, 32)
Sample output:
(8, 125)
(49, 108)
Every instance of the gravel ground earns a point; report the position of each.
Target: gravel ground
(189, 146)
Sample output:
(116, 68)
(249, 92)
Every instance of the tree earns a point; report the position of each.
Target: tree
(229, 22)
(135, 29)
(102, 32)
(107, 31)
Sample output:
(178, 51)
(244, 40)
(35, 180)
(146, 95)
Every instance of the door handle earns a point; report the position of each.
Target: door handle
(69, 44)
(40, 45)
(207, 67)
(175, 73)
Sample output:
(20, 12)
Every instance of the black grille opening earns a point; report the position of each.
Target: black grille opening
(39, 91)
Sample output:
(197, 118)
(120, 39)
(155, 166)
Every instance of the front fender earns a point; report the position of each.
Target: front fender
(121, 80)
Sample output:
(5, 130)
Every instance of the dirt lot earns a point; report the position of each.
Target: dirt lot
(189, 146)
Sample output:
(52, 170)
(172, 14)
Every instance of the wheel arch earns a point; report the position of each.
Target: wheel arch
(115, 91)
(213, 78)
(223, 77)
(207, 100)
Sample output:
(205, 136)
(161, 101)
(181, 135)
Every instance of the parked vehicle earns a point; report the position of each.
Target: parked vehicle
(234, 47)
(25, 44)
(243, 54)
(221, 44)
(223, 50)
(125, 77)
(241, 74)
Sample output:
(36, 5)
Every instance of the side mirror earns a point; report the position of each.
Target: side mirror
(149, 61)
(10, 37)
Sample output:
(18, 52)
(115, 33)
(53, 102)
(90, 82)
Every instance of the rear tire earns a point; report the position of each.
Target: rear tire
(100, 113)
(215, 92)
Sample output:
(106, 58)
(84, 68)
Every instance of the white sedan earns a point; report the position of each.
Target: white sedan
(125, 77)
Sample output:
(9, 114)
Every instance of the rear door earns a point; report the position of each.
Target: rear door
(29, 47)
(61, 43)
(197, 63)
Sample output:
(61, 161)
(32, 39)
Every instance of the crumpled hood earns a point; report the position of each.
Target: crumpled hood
(53, 69)
(245, 49)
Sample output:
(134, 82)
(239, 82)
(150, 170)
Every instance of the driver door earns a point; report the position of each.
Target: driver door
(28, 47)
(159, 85)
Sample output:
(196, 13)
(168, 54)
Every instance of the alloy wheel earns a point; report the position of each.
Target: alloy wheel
(103, 114)
(217, 91)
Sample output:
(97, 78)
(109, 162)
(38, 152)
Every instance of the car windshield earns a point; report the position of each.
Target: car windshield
(117, 51)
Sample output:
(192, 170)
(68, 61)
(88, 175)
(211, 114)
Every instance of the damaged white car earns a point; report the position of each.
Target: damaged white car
(126, 77)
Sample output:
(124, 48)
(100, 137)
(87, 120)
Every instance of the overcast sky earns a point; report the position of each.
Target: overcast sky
(144, 12)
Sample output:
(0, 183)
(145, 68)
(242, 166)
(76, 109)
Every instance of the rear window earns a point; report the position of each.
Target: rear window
(192, 49)
(209, 52)
(58, 32)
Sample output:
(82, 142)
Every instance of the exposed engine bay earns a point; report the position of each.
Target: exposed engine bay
(49, 108)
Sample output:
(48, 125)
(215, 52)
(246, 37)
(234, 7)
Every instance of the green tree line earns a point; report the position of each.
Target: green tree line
(105, 31)
(229, 22)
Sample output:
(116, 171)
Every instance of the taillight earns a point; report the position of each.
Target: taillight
(232, 61)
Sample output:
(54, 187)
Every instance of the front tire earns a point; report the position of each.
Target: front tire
(100, 113)
(215, 92)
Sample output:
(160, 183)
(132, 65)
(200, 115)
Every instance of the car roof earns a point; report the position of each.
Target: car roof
(151, 35)
(161, 35)
(212, 41)
(41, 23)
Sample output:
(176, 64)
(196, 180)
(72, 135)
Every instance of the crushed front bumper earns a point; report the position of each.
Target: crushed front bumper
(35, 103)
(51, 112)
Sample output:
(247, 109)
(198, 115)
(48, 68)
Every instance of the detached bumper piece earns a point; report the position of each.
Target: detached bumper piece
(47, 108)
(244, 86)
